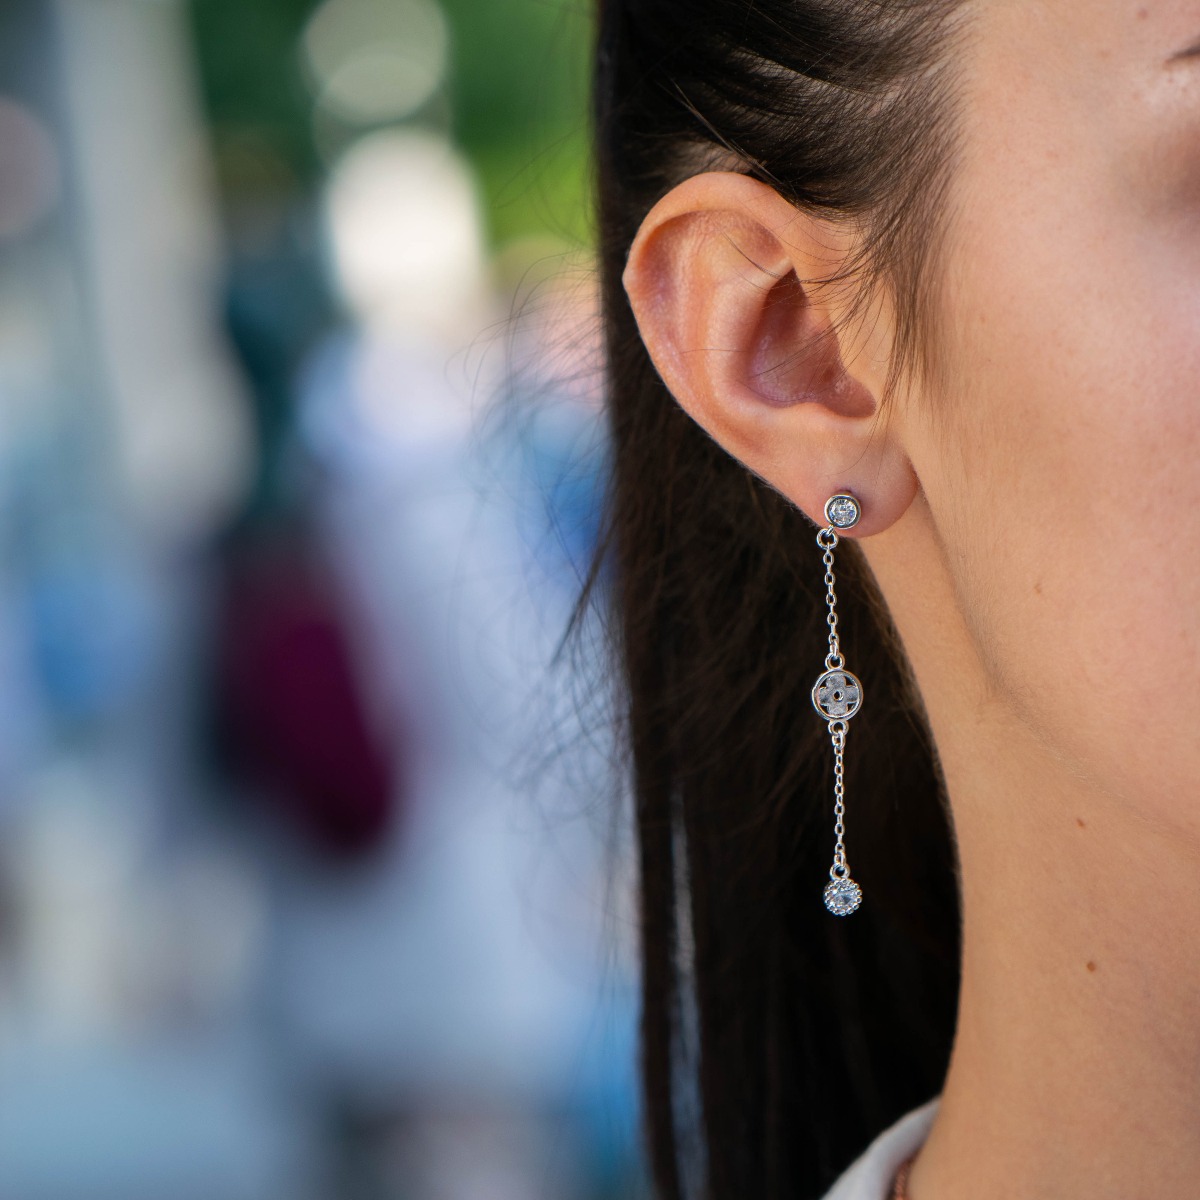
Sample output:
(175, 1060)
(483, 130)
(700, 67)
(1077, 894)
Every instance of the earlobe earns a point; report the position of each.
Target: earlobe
(726, 283)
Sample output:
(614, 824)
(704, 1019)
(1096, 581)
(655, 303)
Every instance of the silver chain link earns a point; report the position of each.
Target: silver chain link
(834, 659)
(840, 868)
(828, 539)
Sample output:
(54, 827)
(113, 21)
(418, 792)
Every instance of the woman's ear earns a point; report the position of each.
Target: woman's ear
(725, 279)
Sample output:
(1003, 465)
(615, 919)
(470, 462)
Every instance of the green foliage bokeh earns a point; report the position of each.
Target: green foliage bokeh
(516, 99)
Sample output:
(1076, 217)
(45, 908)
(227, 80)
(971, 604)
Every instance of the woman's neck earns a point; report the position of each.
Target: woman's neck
(1075, 1073)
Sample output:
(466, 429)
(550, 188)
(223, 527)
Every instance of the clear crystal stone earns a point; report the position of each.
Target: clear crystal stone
(842, 511)
(842, 896)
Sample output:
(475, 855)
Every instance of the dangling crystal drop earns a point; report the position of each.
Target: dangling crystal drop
(842, 896)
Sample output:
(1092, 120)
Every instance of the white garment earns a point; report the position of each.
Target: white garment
(871, 1175)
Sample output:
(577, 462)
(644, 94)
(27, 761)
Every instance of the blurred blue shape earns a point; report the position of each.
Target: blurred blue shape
(609, 1091)
(159, 1120)
(92, 631)
(566, 455)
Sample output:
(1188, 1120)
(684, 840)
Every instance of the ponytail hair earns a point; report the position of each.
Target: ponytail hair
(777, 1040)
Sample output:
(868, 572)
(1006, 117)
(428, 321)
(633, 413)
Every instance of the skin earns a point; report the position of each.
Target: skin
(1035, 529)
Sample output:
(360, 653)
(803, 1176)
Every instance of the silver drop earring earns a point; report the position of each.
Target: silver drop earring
(837, 696)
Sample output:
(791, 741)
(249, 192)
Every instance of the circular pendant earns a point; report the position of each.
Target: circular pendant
(837, 695)
(842, 896)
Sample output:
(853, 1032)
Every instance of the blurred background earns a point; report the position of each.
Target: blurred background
(314, 879)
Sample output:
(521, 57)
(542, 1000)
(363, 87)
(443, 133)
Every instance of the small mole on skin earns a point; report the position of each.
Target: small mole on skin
(1037, 587)
(1091, 966)
(1143, 13)
(1079, 822)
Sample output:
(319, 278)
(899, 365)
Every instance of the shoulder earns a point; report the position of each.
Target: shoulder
(870, 1176)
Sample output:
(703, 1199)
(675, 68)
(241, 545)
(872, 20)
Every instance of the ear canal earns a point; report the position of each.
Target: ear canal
(797, 356)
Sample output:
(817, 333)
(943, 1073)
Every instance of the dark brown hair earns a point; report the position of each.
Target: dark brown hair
(777, 1039)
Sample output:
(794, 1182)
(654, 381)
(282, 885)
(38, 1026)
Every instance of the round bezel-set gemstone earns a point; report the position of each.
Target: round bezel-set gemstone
(842, 896)
(837, 695)
(842, 511)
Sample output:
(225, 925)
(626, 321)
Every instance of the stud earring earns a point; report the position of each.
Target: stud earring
(837, 696)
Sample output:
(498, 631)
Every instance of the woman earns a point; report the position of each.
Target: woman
(943, 257)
